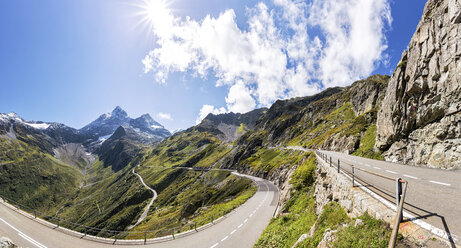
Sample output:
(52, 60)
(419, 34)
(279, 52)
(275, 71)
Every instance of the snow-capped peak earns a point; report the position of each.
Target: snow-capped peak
(11, 116)
(119, 112)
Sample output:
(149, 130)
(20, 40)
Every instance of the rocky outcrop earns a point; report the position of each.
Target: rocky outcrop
(231, 126)
(420, 119)
(6, 243)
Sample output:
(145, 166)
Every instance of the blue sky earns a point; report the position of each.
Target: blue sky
(70, 61)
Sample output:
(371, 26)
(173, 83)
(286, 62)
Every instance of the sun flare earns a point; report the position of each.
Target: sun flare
(155, 12)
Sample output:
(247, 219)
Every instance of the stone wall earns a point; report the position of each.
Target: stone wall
(331, 186)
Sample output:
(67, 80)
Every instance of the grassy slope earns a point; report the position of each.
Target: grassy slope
(187, 149)
(367, 143)
(339, 123)
(186, 197)
(34, 178)
(298, 216)
(114, 202)
(322, 123)
(268, 160)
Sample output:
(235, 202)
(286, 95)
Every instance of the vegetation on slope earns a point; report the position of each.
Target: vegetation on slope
(336, 119)
(33, 178)
(298, 214)
(267, 160)
(113, 202)
(188, 149)
(187, 197)
(367, 143)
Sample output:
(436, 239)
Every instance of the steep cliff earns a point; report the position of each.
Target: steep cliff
(419, 122)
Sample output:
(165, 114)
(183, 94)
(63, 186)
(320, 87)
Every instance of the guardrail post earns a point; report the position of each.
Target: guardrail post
(330, 161)
(338, 166)
(35, 214)
(398, 217)
(353, 177)
(84, 231)
(195, 226)
(398, 192)
(173, 233)
(145, 237)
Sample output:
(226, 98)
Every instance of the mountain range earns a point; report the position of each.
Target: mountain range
(147, 130)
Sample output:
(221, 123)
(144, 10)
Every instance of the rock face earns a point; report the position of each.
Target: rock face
(231, 126)
(419, 122)
(6, 243)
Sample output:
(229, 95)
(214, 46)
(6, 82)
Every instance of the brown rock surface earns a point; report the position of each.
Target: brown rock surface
(419, 122)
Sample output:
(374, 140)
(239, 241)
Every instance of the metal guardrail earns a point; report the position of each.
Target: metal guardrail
(112, 236)
(400, 194)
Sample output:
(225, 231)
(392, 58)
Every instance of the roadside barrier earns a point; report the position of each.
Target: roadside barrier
(401, 188)
(103, 235)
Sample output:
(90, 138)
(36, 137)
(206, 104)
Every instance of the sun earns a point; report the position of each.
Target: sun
(155, 12)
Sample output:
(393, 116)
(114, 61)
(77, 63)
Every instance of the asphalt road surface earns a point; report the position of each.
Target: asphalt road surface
(433, 195)
(146, 210)
(241, 228)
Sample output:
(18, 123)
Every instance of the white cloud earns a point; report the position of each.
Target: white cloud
(295, 49)
(164, 116)
(239, 99)
(207, 109)
(354, 34)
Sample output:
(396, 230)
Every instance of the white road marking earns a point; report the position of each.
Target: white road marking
(245, 221)
(233, 231)
(23, 235)
(405, 175)
(393, 172)
(224, 238)
(240, 225)
(31, 240)
(367, 165)
(418, 222)
(251, 215)
(213, 246)
(446, 184)
(377, 168)
(254, 211)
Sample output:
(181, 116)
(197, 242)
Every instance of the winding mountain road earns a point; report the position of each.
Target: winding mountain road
(146, 210)
(433, 197)
(240, 228)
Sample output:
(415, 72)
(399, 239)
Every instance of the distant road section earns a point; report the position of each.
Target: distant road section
(240, 228)
(146, 211)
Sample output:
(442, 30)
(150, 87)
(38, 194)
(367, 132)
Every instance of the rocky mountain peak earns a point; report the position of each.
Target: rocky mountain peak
(148, 119)
(118, 112)
(144, 129)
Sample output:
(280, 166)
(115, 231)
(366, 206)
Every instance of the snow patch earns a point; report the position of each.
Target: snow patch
(104, 138)
(41, 126)
(155, 126)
